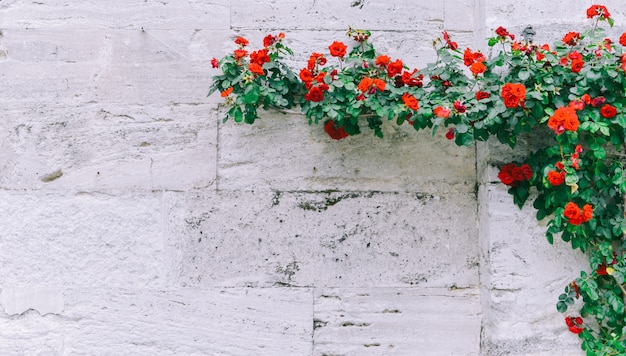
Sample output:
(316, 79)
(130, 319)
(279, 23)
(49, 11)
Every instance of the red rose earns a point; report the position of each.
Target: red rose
(587, 212)
(608, 111)
(409, 79)
(227, 92)
(502, 32)
(365, 84)
(382, 60)
(256, 69)
(571, 38)
(269, 40)
(241, 41)
(459, 107)
(575, 215)
(513, 94)
(452, 45)
(598, 10)
(622, 39)
(306, 75)
(527, 171)
(240, 53)
(577, 105)
(482, 95)
(315, 59)
(394, 68)
(215, 63)
(336, 133)
(380, 84)
(442, 112)
(577, 65)
(410, 101)
(595, 102)
(450, 134)
(337, 49)
(478, 68)
(314, 94)
(556, 178)
(259, 57)
(564, 118)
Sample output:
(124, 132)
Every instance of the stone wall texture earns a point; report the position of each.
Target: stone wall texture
(133, 221)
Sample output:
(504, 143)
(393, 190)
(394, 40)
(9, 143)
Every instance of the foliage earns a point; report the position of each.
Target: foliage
(571, 94)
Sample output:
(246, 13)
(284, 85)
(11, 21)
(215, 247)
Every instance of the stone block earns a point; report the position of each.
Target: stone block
(232, 321)
(522, 277)
(80, 239)
(281, 152)
(106, 148)
(396, 321)
(328, 14)
(342, 239)
(117, 14)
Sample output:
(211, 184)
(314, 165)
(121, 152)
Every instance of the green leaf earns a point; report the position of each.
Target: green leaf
(561, 307)
(615, 302)
(523, 75)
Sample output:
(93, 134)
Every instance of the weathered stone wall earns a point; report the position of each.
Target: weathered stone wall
(135, 222)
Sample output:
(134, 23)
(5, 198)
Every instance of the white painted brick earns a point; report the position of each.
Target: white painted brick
(323, 239)
(397, 321)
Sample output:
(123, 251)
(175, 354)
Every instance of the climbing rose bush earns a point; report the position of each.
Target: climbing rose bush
(569, 96)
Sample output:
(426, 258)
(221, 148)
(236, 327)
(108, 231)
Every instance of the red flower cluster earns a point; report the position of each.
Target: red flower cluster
(474, 60)
(557, 177)
(564, 118)
(313, 80)
(576, 215)
(215, 63)
(513, 95)
(336, 133)
(409, 79)
(257, 58)
(598, 10)
(577, 61)
(574, 324)
(370, 85)
(511, 174)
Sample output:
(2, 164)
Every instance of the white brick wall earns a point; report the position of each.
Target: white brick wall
(135, 222)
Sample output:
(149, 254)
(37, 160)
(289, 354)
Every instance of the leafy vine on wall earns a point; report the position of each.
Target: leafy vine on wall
(574, 92)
